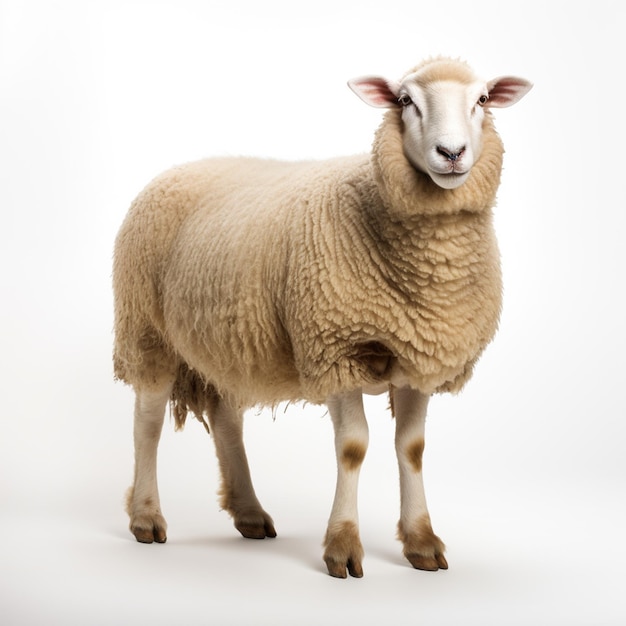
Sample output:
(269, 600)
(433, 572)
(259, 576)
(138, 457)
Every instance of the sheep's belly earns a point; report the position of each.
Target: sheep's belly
(374, 365)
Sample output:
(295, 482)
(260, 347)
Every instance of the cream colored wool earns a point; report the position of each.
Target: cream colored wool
(266, 281)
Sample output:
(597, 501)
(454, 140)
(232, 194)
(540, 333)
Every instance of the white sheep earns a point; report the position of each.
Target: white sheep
(242, 282)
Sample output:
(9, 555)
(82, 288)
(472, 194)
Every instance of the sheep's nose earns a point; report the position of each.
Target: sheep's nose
(450, 154)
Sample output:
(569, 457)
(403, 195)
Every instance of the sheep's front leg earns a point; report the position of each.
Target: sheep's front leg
(142, 503)
(237, 493)
(422, 547)
(342, 542)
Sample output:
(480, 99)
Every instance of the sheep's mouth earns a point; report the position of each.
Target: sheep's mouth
(452, 169)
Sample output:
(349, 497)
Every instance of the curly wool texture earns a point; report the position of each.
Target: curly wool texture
(273, 281)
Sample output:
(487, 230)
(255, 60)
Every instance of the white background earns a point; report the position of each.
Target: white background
(525, 470)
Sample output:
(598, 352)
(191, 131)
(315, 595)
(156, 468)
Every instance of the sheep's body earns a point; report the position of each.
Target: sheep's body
(236, 265)
(243, 281)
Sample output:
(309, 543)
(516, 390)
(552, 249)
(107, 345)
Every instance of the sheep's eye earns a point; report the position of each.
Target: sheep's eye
(483, 100)
(404, 100)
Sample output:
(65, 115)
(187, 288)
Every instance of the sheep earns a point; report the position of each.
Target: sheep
(243, 282)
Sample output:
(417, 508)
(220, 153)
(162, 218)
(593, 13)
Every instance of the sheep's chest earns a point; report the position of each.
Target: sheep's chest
(419, 312)
(447, 302)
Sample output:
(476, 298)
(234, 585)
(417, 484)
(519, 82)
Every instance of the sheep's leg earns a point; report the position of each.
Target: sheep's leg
(422, 547)
(342, 542)
(237, 493)
(143, 505)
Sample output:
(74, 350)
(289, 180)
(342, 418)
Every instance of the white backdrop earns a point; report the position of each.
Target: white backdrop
(525, 470)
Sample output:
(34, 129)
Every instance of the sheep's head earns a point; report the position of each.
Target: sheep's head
(443, 107)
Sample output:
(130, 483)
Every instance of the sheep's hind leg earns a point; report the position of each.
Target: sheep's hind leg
(237, 493)
(143, 504)
(422, 547)
(342, 542)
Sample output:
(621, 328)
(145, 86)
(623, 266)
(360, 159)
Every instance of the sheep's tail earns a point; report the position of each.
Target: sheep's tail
(191, 393)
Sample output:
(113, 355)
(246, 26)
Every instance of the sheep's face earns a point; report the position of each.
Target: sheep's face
(443, 107)
(443, 127)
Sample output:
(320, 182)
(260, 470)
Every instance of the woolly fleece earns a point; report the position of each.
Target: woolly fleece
(268, 281)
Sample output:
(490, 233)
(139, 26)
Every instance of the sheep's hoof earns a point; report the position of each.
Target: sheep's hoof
(344, 552)
(423, 549)
(337, 569)
(428, 563)
(149, 529)
(255, 525)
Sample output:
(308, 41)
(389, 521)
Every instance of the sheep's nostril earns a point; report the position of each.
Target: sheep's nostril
(449, 154)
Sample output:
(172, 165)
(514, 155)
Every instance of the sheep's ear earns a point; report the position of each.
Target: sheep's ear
(375, 91)
(507, 90)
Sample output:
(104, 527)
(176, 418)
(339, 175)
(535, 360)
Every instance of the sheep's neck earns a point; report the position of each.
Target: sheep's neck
(428, 237)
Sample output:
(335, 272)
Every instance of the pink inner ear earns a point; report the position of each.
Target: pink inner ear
(374, 91)
(505, 91)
